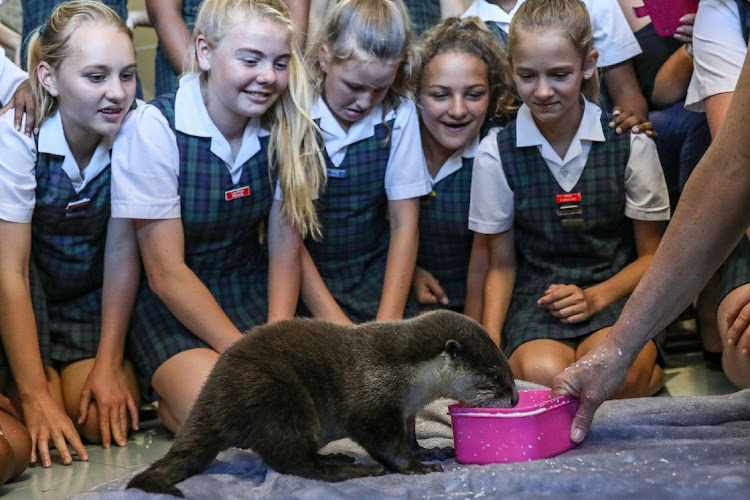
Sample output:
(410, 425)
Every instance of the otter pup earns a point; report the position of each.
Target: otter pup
(288, 388)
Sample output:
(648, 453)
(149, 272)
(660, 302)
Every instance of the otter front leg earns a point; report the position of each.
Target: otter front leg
(384, 438)
(425, 454)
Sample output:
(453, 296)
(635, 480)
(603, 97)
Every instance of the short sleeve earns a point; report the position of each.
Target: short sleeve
(11, 76)
(613, 38)
(145, 168)
(646, 194)
(17, 178)
(491, 203)
(406, 174)
(719, 51)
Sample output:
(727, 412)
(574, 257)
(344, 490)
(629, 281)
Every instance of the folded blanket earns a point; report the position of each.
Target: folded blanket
(666, 447)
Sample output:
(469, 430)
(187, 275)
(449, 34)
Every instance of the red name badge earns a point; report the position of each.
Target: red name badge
(237, 193)
(75, 206)
(569, 198)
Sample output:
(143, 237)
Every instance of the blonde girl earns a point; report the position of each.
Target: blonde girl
(68, 272)
(570, 212)
(362, 61)
(196, 173)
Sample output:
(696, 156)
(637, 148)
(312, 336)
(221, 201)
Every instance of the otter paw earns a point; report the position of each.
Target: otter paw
(337, 458)
(430, 454)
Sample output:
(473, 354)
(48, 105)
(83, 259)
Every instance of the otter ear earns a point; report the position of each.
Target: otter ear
(453, 348)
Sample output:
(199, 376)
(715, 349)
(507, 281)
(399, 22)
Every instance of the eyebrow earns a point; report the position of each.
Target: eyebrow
(258, 53)
(104, 67)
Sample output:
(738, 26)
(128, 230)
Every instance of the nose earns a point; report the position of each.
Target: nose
(543, 89)
(364, 100)
(457, 107)
(267, 74)
(514, 397)
(116, 90)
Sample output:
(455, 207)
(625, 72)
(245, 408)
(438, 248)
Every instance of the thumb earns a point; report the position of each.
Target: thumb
(582, 420)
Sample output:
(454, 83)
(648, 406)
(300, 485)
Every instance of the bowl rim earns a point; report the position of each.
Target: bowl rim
(459, 410)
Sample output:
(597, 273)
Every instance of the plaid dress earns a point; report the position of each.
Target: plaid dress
(735, 271)
(444, 237)
(548, 252)
(66, 268)
(36, 13)
(222, 248)
(351, 257)
(424, 14)
(165, 77)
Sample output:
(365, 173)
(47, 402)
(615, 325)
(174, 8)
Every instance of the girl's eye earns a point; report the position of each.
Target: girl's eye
(249, 62)
(438, 97)
(561, 76)
(96, 78)
(475, 96)
(126, 77)
(282, 65)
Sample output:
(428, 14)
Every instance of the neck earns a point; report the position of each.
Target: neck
(231, 125)
(506, 5)
(81, 144)
(434, 153)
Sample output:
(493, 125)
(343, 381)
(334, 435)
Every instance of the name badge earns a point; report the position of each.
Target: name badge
(568, 205)
(77, 206)
(336, 173)
(237, 193)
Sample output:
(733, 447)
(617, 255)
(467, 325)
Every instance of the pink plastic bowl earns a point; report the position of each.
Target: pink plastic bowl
(537, 427)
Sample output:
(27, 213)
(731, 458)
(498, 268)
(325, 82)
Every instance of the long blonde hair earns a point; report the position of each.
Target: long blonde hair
(569, 16)
(378, 30)
(51, 43)
(293, 144)
(471, 36)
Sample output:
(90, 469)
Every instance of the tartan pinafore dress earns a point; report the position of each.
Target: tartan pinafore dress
(36, 13)
(165, 77)
(444, 236)
(222, 248)
(66, 266)
(424, 14)
(351, 256)
(548, 252)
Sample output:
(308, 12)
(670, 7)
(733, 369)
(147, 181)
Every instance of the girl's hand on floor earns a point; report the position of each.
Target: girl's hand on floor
(738, 321)
(107, 387)
(568, 303)
(427, 289)
(47, 421)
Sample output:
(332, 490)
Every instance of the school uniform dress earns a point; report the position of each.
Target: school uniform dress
(174, 163)
(36, 13)
(520, 182)
(69, 211)
(165, 77)
(613, 38)
(11, 76)
(365, 170)
(444, 237)
(424, 14)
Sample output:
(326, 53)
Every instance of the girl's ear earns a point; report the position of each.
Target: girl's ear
(203, 52)
(47, 78)
(589, 64)
(323, 55)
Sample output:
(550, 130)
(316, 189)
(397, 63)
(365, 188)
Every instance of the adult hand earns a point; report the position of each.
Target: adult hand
(738, 321)
(107, 386)
(426, 288)
(625, 120)
(22, 102)
(568, 303)
(47, 421)
(685, 32)
(592, 379)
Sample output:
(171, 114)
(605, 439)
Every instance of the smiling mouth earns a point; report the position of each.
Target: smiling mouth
(110, 111)
(455, 126)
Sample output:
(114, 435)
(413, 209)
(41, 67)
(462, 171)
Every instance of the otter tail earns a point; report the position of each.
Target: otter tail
(178, 464)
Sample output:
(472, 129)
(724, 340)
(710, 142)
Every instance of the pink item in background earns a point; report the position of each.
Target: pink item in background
(536, 428)
(666, 14)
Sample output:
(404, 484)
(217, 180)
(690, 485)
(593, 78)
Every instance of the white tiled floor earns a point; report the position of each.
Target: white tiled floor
(153, 441)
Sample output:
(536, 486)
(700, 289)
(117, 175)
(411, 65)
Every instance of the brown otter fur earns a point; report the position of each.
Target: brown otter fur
(286, 389)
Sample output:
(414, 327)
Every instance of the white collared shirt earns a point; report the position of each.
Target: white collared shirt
(491, 209)
(18, 165)
(613, 38)
(456, 161)
(146, 160)
(406, 173)
(11, 76)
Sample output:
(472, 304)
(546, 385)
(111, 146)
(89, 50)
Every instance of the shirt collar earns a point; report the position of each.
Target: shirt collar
(52, 141)
(362, 129)
(192, 118)
(456, 161)
(590, 129)
(489, 12)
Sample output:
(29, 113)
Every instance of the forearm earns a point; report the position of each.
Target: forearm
(622, 87)
(284, 272)
(618, 286)
(316, 295)
(452, 8)
(300, 12)
(672, 79)
(498, 289)
(475, 278)
(173, 33)
(9, 38)
(402, 257)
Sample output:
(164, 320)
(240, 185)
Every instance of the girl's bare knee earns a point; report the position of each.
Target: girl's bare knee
(736, 367)
(16, 446)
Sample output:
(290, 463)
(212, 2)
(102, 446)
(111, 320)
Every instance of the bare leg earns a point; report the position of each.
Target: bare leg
(539, 361)
(72, 378)
(15, 447)
(179, 380)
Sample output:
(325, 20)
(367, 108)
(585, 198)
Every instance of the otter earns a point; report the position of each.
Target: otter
(288, 388)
